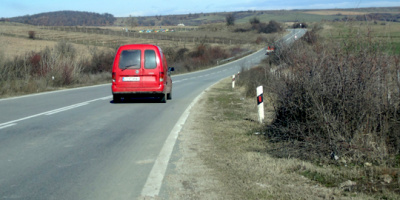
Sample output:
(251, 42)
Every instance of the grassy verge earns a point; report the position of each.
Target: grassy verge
(238, 156)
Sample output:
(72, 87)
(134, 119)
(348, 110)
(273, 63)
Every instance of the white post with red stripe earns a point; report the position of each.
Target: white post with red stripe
(233, 81)
(260, 103)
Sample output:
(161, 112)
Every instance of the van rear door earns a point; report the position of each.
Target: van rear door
(151, 70)
(130, 69)
(139, 69)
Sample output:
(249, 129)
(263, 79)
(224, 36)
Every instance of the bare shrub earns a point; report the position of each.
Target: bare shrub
(180, 54)
(34, 71)
(335, 99)
(101, 61)
(32, 35)
(230, 19)
(271, 27)
(336, 96)
(240, 30)
(66, 50)
(310, 37)
(202, 56)
(251, 79)
(66, 75)
(254, 20)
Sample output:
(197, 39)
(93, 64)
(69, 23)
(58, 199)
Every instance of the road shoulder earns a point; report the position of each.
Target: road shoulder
(220, 155)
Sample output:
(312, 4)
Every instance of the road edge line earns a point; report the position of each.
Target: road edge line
(154, 181)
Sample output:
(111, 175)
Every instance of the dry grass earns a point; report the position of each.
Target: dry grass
(94, 36)
(237, 161)
(12, 46)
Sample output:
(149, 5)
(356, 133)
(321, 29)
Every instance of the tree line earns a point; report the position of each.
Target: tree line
(67, 18)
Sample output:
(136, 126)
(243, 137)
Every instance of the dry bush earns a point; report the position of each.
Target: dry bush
(335, 99)
(31, 35)
(99, 62)
(251, 79)
(50, 68)
(201, 57)
(343, 99)
(66, 50)
(335, 103)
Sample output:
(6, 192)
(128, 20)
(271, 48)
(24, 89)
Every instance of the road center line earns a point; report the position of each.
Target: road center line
(66, 108)
(8, 125)
(12, 123)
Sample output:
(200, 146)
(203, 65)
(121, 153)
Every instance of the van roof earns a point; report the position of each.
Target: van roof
(127, 46)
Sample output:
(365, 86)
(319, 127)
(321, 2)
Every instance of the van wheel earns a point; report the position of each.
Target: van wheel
(169, 96)
(116, 98)
(163, 99)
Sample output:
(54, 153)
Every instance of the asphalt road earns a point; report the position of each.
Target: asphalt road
(78, 144)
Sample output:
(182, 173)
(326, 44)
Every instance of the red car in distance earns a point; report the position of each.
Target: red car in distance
(141, 70)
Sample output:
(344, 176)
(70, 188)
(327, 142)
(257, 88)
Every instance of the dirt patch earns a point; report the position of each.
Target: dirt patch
(223, 156)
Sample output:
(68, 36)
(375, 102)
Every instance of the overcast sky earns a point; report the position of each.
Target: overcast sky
(124, 8)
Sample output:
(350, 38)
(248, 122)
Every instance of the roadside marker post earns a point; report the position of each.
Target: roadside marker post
(260, 103)
(233, 81)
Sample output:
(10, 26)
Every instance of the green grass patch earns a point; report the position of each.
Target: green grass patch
(324, 179)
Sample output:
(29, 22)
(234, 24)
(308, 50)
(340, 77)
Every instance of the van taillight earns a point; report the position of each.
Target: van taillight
(113, 76)
(161, 76)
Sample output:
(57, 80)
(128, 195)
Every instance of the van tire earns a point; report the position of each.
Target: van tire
(169, 96)
(116, 98)
(163, 99)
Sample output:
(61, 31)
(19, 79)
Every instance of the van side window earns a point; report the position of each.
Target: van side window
(129, 59)
(150, 61)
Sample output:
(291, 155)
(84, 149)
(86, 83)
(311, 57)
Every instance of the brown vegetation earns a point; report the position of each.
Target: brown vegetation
(51, 68)
(31, 35)
(336, 103)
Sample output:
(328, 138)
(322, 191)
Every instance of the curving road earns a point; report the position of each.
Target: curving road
(77, 144)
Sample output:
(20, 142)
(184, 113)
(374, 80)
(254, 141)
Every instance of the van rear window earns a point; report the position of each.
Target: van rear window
(129, 59)
(150, 59)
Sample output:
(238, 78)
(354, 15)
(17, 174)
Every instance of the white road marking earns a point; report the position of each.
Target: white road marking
(13, 122)
(66, 108)
(56, 91)
(154, 180)
(8, 125)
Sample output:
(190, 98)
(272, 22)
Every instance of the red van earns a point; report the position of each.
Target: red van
(141, 70)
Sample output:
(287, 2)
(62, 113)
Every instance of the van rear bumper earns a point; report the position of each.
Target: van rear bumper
(132, 90)
(139, 93)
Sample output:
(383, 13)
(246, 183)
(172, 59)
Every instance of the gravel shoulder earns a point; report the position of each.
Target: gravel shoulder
(221, 155)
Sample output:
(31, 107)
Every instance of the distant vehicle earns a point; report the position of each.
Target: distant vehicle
(141, 70)
(270, 49)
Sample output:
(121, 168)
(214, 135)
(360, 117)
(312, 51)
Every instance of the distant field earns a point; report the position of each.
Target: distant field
(14, 37)
(335, 12)
(387, 32)
(293, 16)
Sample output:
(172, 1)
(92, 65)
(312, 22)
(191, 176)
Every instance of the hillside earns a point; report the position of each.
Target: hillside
(196, 19)
(67, 18)
(77, 18)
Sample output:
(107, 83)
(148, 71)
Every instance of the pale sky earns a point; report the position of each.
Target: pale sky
(124, 8)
